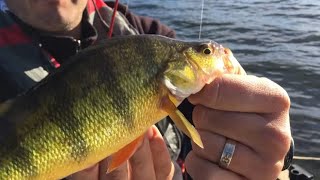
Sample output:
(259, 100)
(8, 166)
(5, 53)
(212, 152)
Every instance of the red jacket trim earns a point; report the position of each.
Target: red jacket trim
(91, 8)
(12, 35)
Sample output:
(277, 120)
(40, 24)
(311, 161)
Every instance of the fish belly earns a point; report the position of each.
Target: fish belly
(53, 151)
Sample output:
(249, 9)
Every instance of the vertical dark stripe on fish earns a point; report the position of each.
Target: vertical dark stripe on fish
(120, 98)
(115, 69)
(68, 123)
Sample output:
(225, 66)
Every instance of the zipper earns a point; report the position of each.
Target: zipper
(78, 45)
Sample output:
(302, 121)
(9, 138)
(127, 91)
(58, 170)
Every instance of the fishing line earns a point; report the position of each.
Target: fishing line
(104, 23)
(201, 18)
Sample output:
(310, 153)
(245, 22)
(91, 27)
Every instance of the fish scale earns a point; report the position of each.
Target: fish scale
(99, 103)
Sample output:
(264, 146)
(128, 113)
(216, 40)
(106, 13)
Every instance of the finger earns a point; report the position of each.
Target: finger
(90, 173)
(244, 94)
(248, 128)
(141, 162)
(199, 168)
(164, 169)
(244, 161)
(121, 172)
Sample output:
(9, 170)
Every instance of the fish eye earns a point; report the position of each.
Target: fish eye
(207, 51)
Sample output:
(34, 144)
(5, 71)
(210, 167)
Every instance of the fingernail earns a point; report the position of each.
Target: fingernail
(150, 133)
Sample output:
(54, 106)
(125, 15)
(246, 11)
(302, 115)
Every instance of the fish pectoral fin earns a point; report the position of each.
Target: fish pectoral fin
(180, 121)
(123, 154)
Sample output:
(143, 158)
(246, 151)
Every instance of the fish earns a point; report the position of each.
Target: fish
(102, 101)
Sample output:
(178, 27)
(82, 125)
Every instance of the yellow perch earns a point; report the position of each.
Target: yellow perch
(101, 103)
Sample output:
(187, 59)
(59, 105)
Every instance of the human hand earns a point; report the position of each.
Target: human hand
(150, 161)
(250, 110)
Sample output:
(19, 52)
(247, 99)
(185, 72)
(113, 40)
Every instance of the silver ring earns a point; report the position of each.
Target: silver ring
(227, 153)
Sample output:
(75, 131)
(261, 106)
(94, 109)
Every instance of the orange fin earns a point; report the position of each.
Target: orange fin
(168, 105)
(123, 154)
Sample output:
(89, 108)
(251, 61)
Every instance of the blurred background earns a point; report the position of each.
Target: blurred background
(278, 39)
(3, 6)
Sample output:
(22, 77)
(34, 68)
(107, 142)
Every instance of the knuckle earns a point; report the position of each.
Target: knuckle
(278, 94)
(279, 141)
(283, 98)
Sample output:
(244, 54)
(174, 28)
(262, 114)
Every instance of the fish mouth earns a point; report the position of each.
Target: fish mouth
(231, 64)
(225, 63)
(195, 86)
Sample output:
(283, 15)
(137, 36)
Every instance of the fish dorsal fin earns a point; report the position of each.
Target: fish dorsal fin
(168, 105)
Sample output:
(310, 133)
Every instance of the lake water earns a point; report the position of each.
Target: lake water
(278, 39)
